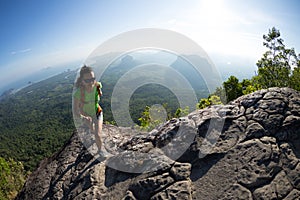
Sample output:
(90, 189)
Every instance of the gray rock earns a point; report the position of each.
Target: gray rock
(279, 188)
(293, 195)
(179, 190)
(237, 192)
(248, 149)
(181, 171)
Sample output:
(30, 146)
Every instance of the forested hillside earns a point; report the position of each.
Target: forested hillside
(37, 120)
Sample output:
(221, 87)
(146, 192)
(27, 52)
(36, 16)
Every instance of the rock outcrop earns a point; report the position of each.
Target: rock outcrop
(248, 149)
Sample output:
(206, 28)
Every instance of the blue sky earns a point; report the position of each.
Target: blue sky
(36, 34)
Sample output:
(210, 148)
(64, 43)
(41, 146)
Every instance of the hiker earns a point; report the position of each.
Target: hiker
(86, 103)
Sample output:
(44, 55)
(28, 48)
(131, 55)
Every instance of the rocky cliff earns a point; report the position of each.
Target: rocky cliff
(248, 149)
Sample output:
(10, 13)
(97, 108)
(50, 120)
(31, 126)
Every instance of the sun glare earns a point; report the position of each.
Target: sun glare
(213, 12)
(217, 27)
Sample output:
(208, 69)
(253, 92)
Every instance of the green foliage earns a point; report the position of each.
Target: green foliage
(249, 86)
(214, 100)
(12, 178)
(154, 116)
(149, 121)
(181, 112)
(233, 88)
(275, 67)
(211, 100)
(220, 92)
(145, 118)
(295, 78)
(203, 103)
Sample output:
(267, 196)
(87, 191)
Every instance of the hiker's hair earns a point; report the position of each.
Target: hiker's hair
(84, 70)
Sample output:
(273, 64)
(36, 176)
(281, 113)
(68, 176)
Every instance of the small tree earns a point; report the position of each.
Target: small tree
(182, 112)
(203, 103)
(152, 117)
(220, 92)
(274, 68)
(233, 88)
(211, 100)
(145, 118)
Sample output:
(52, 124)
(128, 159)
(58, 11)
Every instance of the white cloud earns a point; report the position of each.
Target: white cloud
(25, 50)
(20, 51)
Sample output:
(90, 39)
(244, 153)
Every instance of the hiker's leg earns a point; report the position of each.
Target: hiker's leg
(98, 130)
(84, 133)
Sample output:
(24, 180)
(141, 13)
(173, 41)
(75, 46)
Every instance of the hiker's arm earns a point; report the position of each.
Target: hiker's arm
(78, 113)
(86, 119)
(76, 108)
